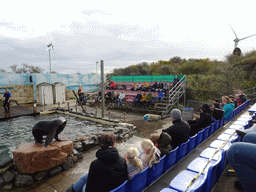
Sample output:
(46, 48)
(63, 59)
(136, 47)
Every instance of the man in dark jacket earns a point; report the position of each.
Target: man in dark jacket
(107, 172)
(179, 131)
(200, 123)
(137, 99)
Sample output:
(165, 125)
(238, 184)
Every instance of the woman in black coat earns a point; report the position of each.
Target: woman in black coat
(200, 123)
(107, 172)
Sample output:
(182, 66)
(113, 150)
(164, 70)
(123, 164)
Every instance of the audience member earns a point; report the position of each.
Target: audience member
(112, 85)
(143, 99)
(166, 87)
(154, 100)
(242, 157)
(242, 96)
(79, 89)
(108, 97)
(146, 86)
(137, 100)
(120, 98)
(155, 86)
(134, 87)
(150, 154)
(134, 164)
(109, 169)
(160, 85)
(115, 96)
(234, 100)
(162, 142)
(228, 106)
(149, 98)
(201, 122)
(217, 113)
(238, 100)
(179, 131)
(175, 81)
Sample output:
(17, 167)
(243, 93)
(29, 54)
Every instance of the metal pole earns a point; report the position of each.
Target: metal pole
(102, 86)
(97, 67)
(50, 60)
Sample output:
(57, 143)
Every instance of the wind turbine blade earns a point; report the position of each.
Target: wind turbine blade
(247, 37)
(53, 49)
(233, 31)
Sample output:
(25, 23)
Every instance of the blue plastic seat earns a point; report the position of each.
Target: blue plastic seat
(155, 171)
(191, 143)
(229, 131)
(170, 159)
(183, 179)
(138, 181)
(224, 137)
(221, 122)
(212, 128)
(199, 138)
(212, 170)
(121, 188)
(245, 124)
(168, 190)
(216, 125)
(182, 151)
(208, 152)
(206, 132)
(214, 174)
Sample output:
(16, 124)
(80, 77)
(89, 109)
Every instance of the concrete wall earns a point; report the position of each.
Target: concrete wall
(20, 93)
(71, 81)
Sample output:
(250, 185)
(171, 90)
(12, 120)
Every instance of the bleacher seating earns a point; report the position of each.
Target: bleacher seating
(155, 171)
(211, 174)
(121, 188)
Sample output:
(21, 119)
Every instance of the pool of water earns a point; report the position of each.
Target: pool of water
(19, 130)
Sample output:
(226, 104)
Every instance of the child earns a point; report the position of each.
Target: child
(150, 154)
(134, 164)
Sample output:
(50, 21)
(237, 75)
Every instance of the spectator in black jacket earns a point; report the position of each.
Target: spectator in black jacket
(137, 99)
(107, 172)
(200, 123)
(179, 131)
(217, 113)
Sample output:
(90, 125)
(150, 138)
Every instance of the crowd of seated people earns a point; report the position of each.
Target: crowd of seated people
(111, 169)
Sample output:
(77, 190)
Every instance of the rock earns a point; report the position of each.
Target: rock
(1, 181)
(75, 152)
(8, 186)
(6, 167)
(74, 158)
(80, 156)
(78, 146)
(23, 180)
(32, 157)
(108, 129)
(67, 164)
(39, 176)
(6, 157)
(55, 171)
(8, 176)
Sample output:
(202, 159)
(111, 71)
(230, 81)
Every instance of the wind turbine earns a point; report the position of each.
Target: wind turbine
(236, 40)
(50, 46)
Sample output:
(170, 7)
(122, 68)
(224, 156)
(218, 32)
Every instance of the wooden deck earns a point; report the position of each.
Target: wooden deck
(16, 111)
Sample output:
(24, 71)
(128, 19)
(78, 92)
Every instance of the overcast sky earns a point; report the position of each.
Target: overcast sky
(121, 33)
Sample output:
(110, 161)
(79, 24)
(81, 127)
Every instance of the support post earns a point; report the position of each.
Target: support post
(102, 86)
(68, 106)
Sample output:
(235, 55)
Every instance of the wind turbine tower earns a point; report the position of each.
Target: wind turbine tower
(236, 40)
(50, 46)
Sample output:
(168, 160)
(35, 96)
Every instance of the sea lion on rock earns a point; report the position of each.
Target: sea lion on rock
(49, 128)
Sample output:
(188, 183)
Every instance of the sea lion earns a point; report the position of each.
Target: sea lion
(49, 128)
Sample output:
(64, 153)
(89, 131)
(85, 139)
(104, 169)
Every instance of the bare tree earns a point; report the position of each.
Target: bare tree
(26, 69)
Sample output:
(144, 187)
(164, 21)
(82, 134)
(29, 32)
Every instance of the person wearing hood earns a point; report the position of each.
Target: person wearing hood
(107, 172)
(217, 113)
(201, 122)
(229, 106)
(137, 99)
(162, 142)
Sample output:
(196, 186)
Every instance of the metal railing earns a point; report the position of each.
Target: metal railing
(175, 94)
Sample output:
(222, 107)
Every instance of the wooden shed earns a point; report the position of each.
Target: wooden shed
(59, 92)
(45, 93)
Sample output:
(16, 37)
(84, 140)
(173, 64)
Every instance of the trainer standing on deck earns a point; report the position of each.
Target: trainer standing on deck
(6, 104)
